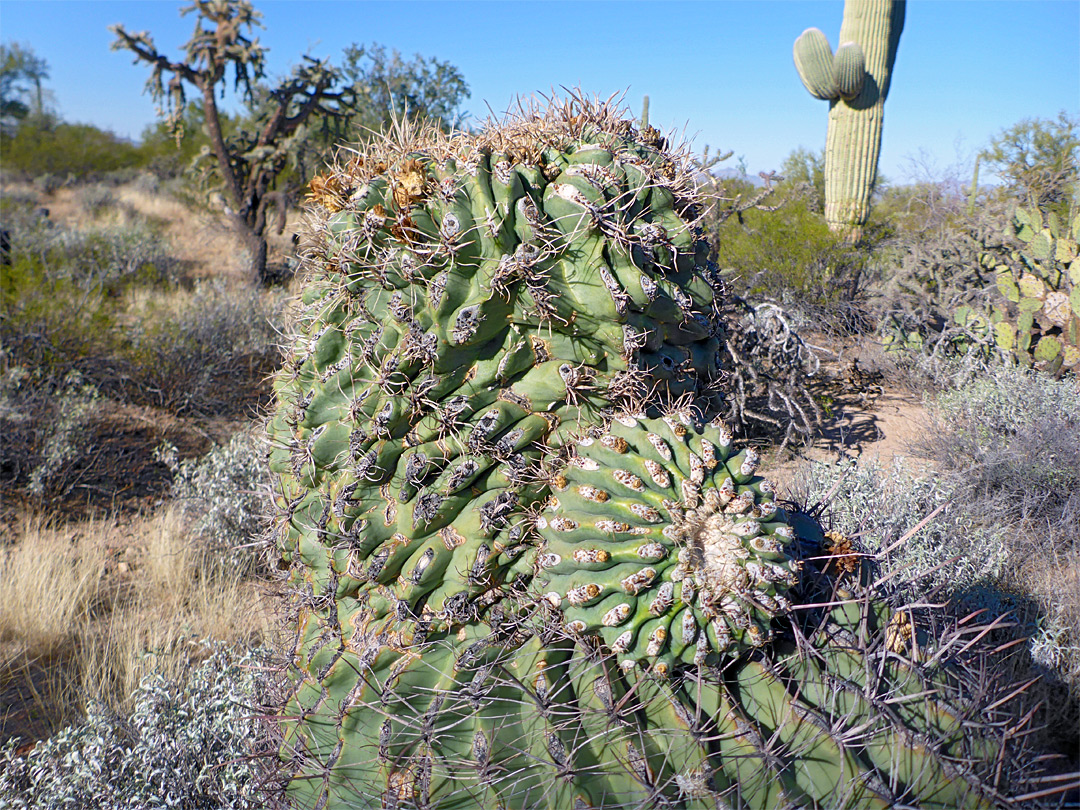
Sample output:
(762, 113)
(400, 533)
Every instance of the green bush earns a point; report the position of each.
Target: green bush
(789, 255)
(51, 323)
(51, 147)
(62, 298)
(68, 303)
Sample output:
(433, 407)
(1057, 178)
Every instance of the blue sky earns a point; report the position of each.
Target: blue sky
(720, 73)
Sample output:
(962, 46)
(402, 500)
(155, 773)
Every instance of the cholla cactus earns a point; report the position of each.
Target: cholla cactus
(526, 572)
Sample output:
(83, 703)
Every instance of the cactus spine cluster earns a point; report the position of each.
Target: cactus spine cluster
(855, 81)
(527, 572)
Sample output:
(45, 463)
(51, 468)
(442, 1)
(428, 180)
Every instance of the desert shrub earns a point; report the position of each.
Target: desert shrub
(770, 366)
(50, 147)
(75, 300)
(188, 744)
(1007, 448)
(49, 322)
(211, 354)
(16, 208)
(113, 258)
(65, 434)
(941, 262)
(786, 253)
(49, 183)
(223, 493)
(147, 183)
(791, 249)
(61, 297)
(21, 405)
(95, 198)
(879, 507)
(1013, 435)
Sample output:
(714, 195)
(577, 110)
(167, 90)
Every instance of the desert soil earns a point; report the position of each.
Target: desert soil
(873, 417)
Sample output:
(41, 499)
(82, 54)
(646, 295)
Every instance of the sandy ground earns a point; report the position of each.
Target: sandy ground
(873, 418)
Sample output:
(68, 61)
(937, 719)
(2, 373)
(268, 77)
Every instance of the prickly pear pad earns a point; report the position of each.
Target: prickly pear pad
(663, 541)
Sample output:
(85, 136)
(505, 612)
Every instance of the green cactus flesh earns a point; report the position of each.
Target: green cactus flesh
(814, 61)
(511, 711)
(662, 541)
(855, 81)
(849, 69)
(1040, 317)
(479, 317)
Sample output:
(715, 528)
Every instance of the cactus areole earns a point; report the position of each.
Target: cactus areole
(529, 568)
(855, 81)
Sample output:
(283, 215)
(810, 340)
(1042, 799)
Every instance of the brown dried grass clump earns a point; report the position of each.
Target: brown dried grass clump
(87, 610)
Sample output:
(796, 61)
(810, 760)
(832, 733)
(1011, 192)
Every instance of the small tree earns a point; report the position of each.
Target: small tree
(382, 86)
(247, 164)
(1039, 159)
(806, 169)
(21, 75)
(386, 83)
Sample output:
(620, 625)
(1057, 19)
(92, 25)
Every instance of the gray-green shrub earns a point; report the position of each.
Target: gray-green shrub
(65, 434)
(1006, 448)
(879, 506)
(212, 355)
(225, 494)
(185, 746)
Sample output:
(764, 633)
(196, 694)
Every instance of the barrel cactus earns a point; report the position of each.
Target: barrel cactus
(529, 568)
(855, 82)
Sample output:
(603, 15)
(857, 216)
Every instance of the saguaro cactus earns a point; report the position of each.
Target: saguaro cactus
(855, 81)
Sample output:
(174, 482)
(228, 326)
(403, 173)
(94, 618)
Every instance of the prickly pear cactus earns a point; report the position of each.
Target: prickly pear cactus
(526, 572)
(1040, 323)
(855, 82)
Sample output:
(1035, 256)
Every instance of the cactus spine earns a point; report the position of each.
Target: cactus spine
(527, 572)
(855, 81)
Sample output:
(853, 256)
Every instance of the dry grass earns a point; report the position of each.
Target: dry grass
(202, 241)
(87, 610)
(51, 581)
